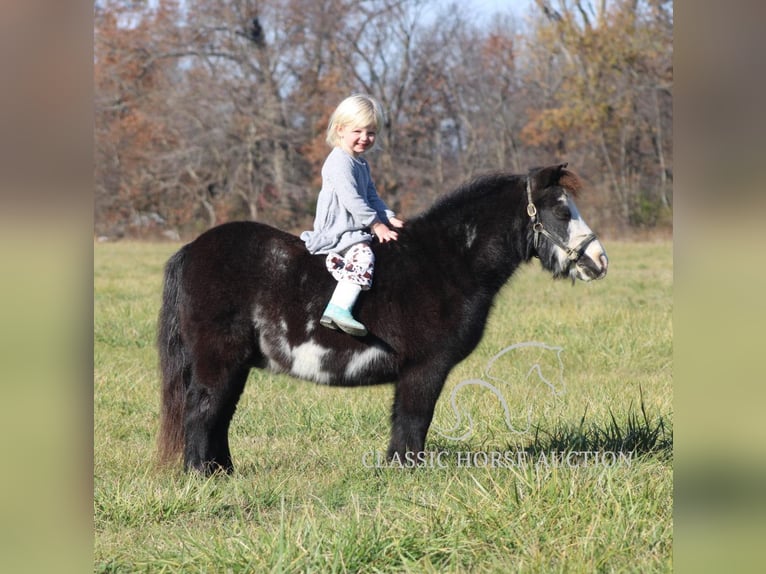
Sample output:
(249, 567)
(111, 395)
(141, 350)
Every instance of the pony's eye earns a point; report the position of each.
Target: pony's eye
(562, 212)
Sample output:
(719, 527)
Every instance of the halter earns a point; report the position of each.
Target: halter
(573, 253)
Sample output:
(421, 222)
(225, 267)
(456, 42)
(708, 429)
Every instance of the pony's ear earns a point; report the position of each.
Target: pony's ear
(542, 177)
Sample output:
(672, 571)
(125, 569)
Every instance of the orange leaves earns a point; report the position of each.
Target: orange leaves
(498, 50)
(194, 119)
(546, 126)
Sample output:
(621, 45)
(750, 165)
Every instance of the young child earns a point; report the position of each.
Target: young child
(349, 210)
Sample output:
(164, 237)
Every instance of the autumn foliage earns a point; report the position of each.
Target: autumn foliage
(213, 111)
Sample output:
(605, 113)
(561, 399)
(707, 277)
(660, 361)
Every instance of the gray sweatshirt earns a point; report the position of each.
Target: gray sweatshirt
(348, 204)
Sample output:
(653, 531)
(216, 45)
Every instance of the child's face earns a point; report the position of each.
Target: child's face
(356, 140)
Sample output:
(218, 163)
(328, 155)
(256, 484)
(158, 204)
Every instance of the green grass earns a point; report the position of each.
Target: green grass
(302, 499)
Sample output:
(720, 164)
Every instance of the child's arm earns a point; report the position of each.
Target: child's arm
(374, 201)
(382, 231)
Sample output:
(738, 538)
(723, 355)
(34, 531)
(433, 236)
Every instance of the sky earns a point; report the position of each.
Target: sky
(519, 7)
(482, 8)
(487, 8)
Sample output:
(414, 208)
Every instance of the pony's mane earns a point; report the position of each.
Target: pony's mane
(466, 194)
(486, 183)
(452, 207)
(490, 183)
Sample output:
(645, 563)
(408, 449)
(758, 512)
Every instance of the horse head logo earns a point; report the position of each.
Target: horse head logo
(557, 387)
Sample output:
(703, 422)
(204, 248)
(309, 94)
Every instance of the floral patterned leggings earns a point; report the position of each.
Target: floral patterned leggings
(354, 264)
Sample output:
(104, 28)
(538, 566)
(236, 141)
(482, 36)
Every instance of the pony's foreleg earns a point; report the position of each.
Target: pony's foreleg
(414, 401)
(209, 409)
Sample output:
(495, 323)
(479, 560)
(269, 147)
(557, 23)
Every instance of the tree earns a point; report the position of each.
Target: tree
(130, 83)
(605, 76)
(212, 111)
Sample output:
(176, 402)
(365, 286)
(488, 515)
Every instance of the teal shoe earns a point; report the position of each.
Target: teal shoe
(336, 317)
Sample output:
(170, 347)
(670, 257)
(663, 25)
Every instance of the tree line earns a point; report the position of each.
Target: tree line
(209, 111)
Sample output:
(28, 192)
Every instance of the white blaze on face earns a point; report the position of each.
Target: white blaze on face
(578, 231)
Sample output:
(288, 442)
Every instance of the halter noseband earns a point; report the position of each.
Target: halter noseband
(573, 253)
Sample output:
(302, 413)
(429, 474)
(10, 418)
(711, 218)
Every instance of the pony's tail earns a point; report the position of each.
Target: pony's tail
(175, 368)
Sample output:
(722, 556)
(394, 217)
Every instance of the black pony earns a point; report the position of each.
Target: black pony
(246, 295)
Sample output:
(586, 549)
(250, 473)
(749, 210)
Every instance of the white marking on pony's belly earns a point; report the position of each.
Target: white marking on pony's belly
(360, 361)
(307, 362)
(258, 317)
(277, 351)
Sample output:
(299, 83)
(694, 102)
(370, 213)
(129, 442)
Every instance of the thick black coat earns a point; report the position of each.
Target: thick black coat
(246, 295)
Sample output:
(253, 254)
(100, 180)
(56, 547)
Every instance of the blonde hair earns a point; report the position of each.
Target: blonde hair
(357, 111)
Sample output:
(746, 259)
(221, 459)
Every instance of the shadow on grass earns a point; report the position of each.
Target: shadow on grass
(639, 435)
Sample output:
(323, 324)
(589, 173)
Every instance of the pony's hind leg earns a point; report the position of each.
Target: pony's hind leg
(209, 409)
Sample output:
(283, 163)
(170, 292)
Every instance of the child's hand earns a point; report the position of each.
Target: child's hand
(396, 222)
(384, 233)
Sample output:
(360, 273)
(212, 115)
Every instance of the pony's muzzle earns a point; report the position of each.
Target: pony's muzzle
(594, 264)
(604, 260)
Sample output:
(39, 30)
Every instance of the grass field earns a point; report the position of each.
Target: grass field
(307, 495)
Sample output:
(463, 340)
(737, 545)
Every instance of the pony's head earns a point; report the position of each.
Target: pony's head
(557, 233)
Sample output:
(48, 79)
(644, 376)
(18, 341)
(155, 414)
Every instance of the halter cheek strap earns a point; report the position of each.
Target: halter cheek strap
(573, 253)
